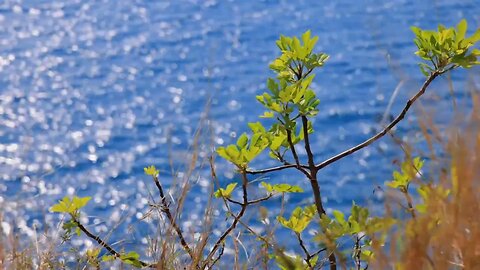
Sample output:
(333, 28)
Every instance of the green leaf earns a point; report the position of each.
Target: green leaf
(80, 202)
(108, 258)
(281, 188)
(446, 47)
(67, 205)
(409, 170)
(289, 262)
(242, 141)
(151, 170)
(462, 29)
(131, 258)
(300, 218)
(93, 253)
(227, 192)
(267, 114)
(366, 255)
(63, 206)
(339, 216)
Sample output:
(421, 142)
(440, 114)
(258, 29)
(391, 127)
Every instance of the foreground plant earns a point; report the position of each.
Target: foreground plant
(290, 105)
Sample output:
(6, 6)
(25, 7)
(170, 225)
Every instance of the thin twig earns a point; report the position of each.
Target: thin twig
(222, 249)
(104, 244)
(318, 252)
(166, 209)
(252, 201)
(273, 169)
(358, 251)
(234, 223)
(305, 250)
(369, 141)
(409, 199)
(311, 161)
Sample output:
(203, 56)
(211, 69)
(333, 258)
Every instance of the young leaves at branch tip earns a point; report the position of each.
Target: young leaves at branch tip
(299, 219)
(297, 55)
(446, 48)
(245, 150)
(408, 171)
(227, 192)
(151, 170)
(70, 206)
(290, 97)
(359, 224)
(359, 221)
(290, 93)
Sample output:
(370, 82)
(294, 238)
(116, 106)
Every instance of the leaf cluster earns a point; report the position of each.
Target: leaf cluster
(245, 150)
(446, 47)
(300, 218)
(408, 171)
(70, 206)
(359, 221)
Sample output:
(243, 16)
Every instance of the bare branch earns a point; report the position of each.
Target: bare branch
(294, 153)
(252, 201)
(237, 218)
(305, 250)
(273, 169)
(222, 249)
(104, 244)
(314, 183)
(311, 161)
(382, 133)
(166, 209)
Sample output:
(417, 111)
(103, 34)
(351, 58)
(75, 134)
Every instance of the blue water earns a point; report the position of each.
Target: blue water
(92, 91)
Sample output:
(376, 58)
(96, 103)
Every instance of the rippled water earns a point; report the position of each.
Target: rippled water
(92, 91)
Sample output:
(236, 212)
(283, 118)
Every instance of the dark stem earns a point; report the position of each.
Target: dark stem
(311, 161)
(318, 252)
(104, 244)
(357, 249)
(292, 147)
(409, 203)
(305, 250)
(315, 186)
(166, 209)
(235, 221)
(273, 169)
(294, 152)
(252, 201)
(390, 126)
(222, 249)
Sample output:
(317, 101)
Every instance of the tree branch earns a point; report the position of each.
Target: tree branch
(104, 244)
(305, 250)
(315, 186)
(294, 153)
(273, 169)
(382, 133)
(252, 201)
(311, 161)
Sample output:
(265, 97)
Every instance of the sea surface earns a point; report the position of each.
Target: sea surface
(92, 91)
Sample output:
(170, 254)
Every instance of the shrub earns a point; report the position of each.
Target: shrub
(290, 104)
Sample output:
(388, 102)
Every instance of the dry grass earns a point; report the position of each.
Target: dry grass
(447, 234)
